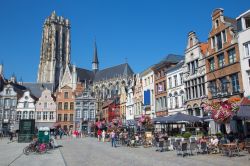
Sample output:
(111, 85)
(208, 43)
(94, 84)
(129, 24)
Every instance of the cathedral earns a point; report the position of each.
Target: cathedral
(55, 66)
(55, 49)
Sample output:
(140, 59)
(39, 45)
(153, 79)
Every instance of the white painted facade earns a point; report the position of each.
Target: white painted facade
(148, 84)
(175, 89)
(244, 49)
(26, 107)
(194, 75)
(130, 115)
(46, 109)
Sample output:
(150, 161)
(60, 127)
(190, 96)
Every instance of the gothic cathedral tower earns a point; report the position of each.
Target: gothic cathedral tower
(55, 49)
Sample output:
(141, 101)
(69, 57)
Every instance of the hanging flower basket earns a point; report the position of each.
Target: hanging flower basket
(223, 111)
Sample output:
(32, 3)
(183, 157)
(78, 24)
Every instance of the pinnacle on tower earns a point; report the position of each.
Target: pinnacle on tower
(95, 62)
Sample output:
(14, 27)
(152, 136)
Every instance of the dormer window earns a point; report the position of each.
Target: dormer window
(216, 23)
(191, 42)
(8, 91)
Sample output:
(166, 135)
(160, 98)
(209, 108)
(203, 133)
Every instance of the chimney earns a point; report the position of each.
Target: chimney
(1, 69)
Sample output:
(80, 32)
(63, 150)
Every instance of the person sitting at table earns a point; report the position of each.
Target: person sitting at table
(214, 144)
(202, 139)
(231, 137)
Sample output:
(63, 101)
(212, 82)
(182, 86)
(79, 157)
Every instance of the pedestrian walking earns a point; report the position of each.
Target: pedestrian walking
(113, 135)
(60, 132)
(103, 135)
(99, 133)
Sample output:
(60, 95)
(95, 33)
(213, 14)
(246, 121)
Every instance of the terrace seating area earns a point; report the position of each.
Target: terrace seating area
(204, 146)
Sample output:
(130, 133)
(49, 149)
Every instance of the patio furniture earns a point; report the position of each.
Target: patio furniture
(182, 149)
(193, 147)
(231, 149)
(204, 147)
(175, 145)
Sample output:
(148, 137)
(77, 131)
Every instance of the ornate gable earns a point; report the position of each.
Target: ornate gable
(67, 78)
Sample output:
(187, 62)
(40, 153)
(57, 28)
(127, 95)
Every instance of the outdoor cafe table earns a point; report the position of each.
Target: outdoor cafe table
(230, 148)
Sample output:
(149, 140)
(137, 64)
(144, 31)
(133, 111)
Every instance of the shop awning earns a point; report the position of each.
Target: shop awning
(160, 120)
(244, 112)
(182, 118)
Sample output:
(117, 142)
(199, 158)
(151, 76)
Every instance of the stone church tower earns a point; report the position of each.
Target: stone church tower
(55, 49)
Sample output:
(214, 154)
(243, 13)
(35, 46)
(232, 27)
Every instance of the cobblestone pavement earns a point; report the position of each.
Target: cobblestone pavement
(89, 152)
(11, 154)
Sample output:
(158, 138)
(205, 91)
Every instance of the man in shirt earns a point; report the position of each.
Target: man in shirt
(113, 143)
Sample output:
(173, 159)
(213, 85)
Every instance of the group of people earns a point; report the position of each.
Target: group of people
(123, 136)
(102, 136)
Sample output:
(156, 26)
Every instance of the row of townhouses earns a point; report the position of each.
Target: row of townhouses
(73, 97)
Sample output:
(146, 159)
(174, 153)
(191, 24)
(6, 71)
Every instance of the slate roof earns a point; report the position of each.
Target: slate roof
(112, 72)
(232, 21)
(84, 74)
(177, 66)
(170, 58)
(37, 88)
(19, 89)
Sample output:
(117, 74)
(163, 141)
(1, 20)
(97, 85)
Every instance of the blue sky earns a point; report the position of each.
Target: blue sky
(143, 31)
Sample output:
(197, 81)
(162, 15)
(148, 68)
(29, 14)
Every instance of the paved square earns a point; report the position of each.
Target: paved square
(89, 152)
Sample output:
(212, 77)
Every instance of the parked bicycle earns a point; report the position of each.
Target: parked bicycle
(35, 147)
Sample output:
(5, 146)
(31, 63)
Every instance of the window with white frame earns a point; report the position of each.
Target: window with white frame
(235, 82)
(171, 102)
(38, 116)
(85, 114)
(231, 56)
(31, 115)
(176, 102)
(181, 78)
(211, 64)
(247, 48)
(170, 82)
(92, 114)
(45, 115)
(25, 115)
(78, 113)
(221, 60)
(175, 80)
(248, 77)
(18, 115)
(1, 114)
(51, 115)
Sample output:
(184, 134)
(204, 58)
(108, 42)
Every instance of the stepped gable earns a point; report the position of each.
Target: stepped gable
(113, 72)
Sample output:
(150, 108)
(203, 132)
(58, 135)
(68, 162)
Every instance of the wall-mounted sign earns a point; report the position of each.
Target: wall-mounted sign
(160, 88)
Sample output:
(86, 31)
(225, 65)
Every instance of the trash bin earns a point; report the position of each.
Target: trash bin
(43, 135)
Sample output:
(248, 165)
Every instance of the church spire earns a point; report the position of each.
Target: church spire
(95, 62)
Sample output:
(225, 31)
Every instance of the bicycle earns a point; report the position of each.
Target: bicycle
(35, 147)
